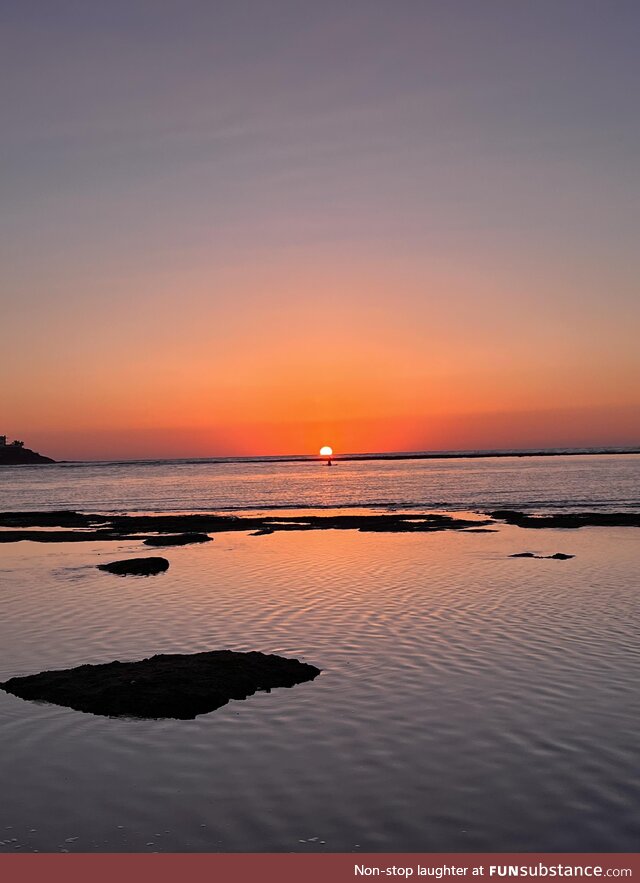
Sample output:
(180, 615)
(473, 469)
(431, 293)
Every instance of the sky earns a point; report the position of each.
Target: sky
(259, 226)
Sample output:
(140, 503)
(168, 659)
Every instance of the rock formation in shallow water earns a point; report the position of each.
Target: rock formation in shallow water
(558, 556)
(95, 527)
(174, 685)
(180, 539)
(136, 566)
(568, 520)
(148, 527)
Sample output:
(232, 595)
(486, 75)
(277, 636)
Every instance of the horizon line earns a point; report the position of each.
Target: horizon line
(474, 453)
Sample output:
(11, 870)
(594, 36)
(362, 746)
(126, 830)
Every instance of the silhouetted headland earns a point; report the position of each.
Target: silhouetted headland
(15, 454)
(172, 685)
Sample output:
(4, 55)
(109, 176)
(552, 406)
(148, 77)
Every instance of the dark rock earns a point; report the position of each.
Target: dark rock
(480, 530)
(398, 522)
(12, 455)
(57, 536)
(180, 539)
(57, 518)
(136, 566)
(146, 527)
(559, 556)
(569, 519)
(178, 686)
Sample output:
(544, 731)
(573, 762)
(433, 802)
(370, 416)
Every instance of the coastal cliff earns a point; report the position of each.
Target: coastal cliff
(12, 455)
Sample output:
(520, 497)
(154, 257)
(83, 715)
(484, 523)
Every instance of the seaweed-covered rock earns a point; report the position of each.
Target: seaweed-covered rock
(136, 566)
(173, 685)
(180, 539)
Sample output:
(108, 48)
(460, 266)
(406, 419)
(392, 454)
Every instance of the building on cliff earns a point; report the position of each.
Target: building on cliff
(14, 444)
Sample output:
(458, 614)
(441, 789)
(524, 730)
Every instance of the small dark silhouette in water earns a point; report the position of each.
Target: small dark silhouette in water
(327, 452)
(136, 566)
(559, 556)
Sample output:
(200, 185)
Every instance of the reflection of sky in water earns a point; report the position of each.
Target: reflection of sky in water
(467, 700)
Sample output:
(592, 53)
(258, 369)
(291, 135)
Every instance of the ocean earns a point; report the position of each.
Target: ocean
(468, 700)
(558, 483)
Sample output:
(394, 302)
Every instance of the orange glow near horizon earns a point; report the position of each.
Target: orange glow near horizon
(403, 372)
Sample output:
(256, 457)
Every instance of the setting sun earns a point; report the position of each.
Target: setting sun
(326, 451)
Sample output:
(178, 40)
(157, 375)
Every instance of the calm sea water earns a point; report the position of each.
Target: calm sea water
(564, 482)
(467, 701)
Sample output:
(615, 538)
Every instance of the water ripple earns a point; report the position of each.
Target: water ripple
(468, 701)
